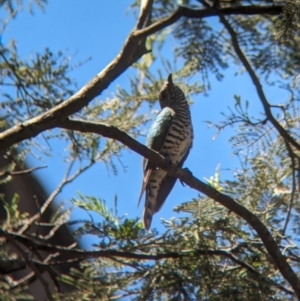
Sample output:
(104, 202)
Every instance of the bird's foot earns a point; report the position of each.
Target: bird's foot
(168, 162)
(186, 169)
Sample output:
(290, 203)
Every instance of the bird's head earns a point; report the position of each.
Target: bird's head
(166, 92)
(170, 95)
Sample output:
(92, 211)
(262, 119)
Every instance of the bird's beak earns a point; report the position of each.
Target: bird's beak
(170, 80)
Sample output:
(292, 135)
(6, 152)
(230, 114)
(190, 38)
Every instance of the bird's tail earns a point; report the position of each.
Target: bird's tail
(147, 214)
(145, 183)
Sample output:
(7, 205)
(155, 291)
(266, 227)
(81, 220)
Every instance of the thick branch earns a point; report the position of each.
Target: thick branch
(133, 49)
(190, 180)
(113, 132)
(205, 13)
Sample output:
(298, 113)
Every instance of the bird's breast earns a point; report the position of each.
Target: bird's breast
(178, 140)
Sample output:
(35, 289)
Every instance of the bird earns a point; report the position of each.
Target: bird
(171, 135)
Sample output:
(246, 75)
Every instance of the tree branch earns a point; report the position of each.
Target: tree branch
(20, 172)
(267, 107)
(133, 49)
(79, 255)
(205, 13)
(66, 180)
(186, 177)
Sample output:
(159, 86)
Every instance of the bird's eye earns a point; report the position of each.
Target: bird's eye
(163, 96)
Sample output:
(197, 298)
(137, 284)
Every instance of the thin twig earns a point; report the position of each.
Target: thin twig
(20, 172)
(66, 180)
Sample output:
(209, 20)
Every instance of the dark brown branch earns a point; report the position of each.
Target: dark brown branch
(110, 131)
(24, 281)
(267, 107)
(205, 13)
(77, 255)
(187, 178)
(133, 49)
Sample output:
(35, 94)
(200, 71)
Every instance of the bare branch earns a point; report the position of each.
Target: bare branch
(23, 281)
(205, 13)
(267, 107)
(133, 49)
(20, 172)
(186, 177)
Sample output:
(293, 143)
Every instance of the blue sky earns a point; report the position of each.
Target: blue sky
(98, 29)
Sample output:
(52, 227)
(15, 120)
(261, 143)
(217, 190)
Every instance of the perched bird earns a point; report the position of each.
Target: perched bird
(171, 135)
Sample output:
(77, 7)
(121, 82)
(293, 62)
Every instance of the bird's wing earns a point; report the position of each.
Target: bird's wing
(166, 186)
(155, 140)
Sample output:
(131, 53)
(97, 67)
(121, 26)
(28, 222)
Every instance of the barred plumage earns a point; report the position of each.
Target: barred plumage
(171, 134)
